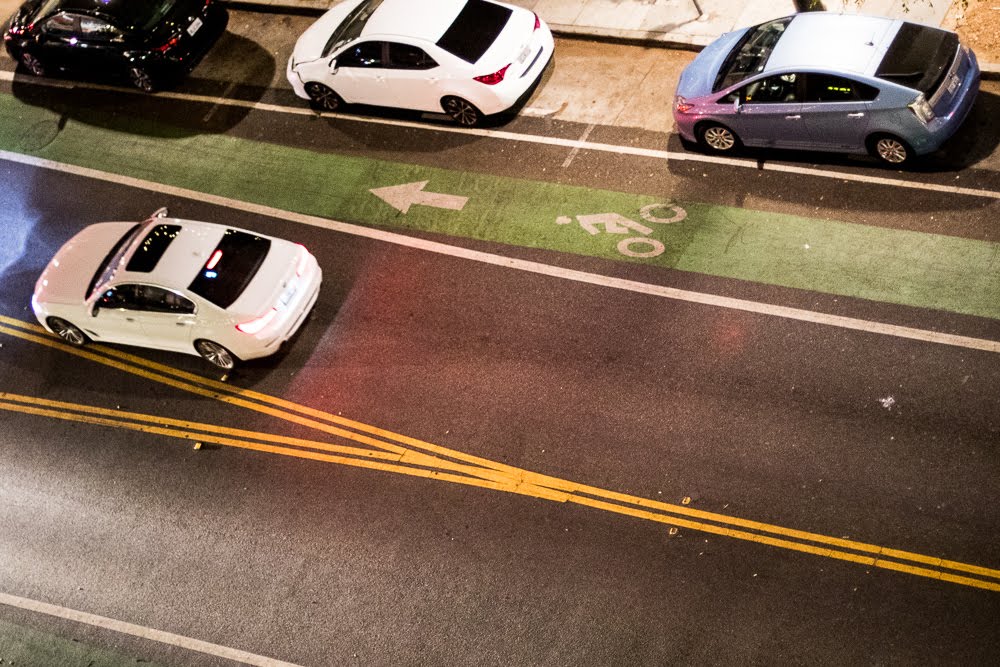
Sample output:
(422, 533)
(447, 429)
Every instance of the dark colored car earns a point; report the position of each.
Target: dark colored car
(151, 42)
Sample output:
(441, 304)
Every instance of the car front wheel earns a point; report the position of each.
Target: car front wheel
(141, 79)
(32, 64)
(68, 332)
(889, 149)
(462, 111)
(215, 354)
(717, 138)
(323, 97)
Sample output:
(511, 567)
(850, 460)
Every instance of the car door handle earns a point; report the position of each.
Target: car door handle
(185, 323)
(130, 319)
(859, 114)
(795, 117)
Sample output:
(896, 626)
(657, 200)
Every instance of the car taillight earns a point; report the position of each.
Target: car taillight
(538, 23)
(300, 268)
(257, 325)
(922, 109)
(682, 105)
(493, 79)
(171, 43)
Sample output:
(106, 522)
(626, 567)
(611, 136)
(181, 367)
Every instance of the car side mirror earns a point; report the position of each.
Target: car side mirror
(95, 308)
(736, 105)
(333, 65)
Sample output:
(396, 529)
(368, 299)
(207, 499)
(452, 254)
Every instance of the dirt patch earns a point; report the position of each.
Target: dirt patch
(978, 25)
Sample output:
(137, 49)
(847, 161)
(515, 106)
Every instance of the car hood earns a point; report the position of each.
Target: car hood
(309, 46)
(69, 272)
(698, 77)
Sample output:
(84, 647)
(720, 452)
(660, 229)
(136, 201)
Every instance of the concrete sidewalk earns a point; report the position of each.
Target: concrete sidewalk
(679, 22)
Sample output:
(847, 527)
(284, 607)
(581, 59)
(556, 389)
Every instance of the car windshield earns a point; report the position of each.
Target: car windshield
(352, 26)
(475, 29)
(230, 267)
(750, 54)
(106, 269)
(919, 57)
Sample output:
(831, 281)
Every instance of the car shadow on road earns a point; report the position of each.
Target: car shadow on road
(110, 103)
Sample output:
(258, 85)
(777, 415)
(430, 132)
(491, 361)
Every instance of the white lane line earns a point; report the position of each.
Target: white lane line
(143, 632)
(543, 140)
(520, 264)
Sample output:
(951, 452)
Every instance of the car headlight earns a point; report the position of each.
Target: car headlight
(922, 109)
(681, 105)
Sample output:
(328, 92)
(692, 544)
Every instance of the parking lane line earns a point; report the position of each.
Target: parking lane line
(578, 144)
(125, 628)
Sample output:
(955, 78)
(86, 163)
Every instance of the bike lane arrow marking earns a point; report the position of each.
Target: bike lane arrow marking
(402, 197)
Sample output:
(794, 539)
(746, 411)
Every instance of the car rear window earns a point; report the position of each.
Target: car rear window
(230, 267)
(475, 29)
(148, 254)
(919, 57)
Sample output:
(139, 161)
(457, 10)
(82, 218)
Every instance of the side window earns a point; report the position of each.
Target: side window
(63, 24)
(365, 54)
(406, 56)
(830, 88)
(772, 89)
(122, 296)
(159, 300)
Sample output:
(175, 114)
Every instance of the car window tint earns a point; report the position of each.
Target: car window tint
(772, 89)
(121, 296)
(151, 249)
(365, 54)
(750, 55)
(829, 88)
(475, 29)
(406, 56)
(160, 300)
(63, 23)
(919, 57)
(230, 267)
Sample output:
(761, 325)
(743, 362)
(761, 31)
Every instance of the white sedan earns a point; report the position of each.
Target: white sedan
(195, 287)
(468, 58)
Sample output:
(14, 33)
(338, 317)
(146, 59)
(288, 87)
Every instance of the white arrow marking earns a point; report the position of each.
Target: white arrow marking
(613, 224)
(402, 197)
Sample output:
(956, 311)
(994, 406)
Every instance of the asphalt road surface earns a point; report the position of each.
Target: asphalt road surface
(499, 439)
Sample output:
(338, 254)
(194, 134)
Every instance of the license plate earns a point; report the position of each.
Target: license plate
(524, 54)
(953, 84)
(193, 28)
(288, 294)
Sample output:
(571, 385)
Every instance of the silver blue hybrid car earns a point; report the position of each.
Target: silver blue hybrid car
(832, 82)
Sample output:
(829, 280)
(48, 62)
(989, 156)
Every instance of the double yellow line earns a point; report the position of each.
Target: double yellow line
(377, 449)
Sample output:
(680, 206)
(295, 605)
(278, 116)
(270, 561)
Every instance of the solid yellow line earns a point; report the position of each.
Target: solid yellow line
(529, 483)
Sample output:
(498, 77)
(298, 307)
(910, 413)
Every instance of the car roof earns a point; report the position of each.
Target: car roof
(183, 258)
(829, 41)
(420, 19)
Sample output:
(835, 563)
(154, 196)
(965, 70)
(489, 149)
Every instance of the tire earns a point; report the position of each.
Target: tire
(718, 139)
(32, 64)
(67, 331)
(323, 97)
(215, 354)
(141, 79)
(462, 111)
(890, 149)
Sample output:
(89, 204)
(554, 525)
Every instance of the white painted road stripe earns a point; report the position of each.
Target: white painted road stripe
(143, 632)
(520, 264)
(572, 144)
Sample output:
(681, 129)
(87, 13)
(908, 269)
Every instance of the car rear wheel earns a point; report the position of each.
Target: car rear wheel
(32, 64)
(462, 111)
(215, 354)
(323, 97)
(717, 138)
(67, 332)
(889, 149)
(141, 79)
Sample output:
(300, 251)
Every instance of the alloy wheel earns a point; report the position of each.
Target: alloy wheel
(67, 332)
(892, 150)
(719, 138)
(215, 354)
(462, 111)
(141, 79)
(32, 64)
(323, 96)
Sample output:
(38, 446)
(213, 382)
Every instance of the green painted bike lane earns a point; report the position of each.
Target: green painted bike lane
(28, 647)
(902, 267)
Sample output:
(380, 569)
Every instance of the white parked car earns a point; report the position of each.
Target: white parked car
(196, 287)
(468, 58)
